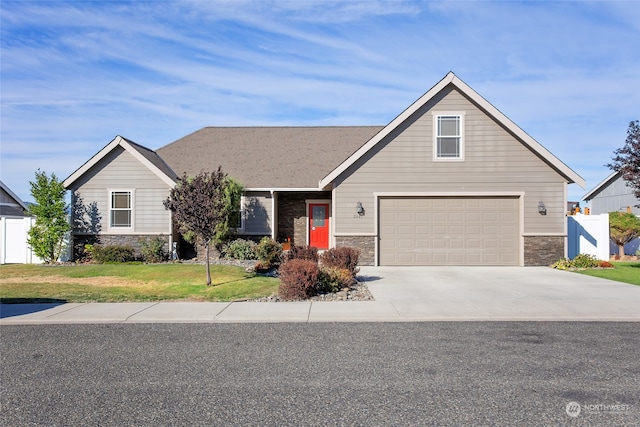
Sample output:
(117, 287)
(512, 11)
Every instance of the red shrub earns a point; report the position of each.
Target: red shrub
(605, 264)
(298, 279)
(342, 257)
(303, 252)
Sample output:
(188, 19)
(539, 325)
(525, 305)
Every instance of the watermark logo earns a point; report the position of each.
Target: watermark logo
(573, 409)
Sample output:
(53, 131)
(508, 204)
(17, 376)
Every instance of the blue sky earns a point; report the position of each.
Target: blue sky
(75, 74)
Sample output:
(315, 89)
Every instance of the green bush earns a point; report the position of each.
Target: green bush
(585, 261)
(240, 249)
(334, 279)
(112, 254)
(342, 257)
(298, 279)
(269, 253)
(152, 249)
(580, 261)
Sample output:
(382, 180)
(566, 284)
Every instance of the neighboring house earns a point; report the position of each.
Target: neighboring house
(611, 195)
(14, 226)
(10, 203)
(450, 181)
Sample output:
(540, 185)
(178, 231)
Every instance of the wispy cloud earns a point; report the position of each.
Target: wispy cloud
(75, 74)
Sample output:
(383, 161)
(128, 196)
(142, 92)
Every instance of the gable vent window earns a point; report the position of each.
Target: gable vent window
(449, 136)
(120, 211)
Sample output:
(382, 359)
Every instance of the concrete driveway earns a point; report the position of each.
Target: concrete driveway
(501, 293)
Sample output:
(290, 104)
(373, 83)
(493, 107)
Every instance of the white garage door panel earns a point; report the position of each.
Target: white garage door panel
(449, 231)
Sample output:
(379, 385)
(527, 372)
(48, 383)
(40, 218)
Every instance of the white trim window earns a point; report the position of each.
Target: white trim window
(448, 136)
(121, 209)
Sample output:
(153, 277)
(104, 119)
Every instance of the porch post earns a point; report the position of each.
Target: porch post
(274, 214)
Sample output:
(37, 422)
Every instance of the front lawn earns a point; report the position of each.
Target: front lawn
(628, 272)
(130, 282)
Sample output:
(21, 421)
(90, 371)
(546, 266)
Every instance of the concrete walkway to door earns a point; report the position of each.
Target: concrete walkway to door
(501, 293)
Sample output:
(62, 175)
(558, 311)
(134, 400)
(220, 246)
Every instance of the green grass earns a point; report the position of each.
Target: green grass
(628, 272)
(130, 282)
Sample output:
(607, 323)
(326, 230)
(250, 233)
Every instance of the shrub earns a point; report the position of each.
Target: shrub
(240, 249)
(334, 279)
(580, 261)
(342, 257)
(269, 252)
(303, 252)
(112, 254)
(152, 249)
(585, 261)
(605, 264)
(298, 279)
(87, 253)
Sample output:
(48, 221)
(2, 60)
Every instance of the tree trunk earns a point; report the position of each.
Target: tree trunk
(206, 254)
(621, 250)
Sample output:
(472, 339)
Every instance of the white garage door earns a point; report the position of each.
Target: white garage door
(449, 231)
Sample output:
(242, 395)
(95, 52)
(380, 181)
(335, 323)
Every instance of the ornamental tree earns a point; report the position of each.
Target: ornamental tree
(623, 228)
(627, 159)
(206, 206)
(46, 236)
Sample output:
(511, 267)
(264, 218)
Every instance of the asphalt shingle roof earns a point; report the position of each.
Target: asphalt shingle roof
(267, 157)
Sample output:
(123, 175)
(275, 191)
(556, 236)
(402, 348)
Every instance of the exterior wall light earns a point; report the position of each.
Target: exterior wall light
(542, 210)
(359, 209)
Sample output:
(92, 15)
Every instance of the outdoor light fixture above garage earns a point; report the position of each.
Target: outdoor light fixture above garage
(542, 210)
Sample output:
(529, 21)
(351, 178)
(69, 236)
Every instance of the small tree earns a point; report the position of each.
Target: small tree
(206, 205)
(623, 228)
(46, 237)
(627, 159)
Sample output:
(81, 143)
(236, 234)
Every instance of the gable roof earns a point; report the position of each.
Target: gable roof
(12, 209)
(267, 158)
(452, 79)
(147, 157)
(604, 184)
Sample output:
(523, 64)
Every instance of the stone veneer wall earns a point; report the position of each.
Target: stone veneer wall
(366, 244)
(292, 215)
(132, 240)
(543, 250)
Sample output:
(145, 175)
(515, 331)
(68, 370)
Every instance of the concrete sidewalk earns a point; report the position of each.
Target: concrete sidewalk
(401, 294)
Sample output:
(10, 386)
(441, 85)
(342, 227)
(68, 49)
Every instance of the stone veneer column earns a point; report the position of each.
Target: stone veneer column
(543, 250)
(366, 244)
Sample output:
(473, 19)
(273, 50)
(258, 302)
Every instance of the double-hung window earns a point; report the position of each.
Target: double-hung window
(448, 136)
(120, 209)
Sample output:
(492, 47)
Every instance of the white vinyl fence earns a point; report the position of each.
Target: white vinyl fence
(13, 241)
(589, 234)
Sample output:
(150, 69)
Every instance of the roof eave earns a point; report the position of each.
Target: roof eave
(14, 195)
(598, 188)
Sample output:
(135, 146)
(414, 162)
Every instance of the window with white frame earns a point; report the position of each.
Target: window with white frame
(120, 209)
(448, 136)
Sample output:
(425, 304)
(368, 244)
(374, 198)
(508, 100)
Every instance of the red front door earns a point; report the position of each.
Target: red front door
(319, 225)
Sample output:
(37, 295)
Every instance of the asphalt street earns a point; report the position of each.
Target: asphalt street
(319, 374)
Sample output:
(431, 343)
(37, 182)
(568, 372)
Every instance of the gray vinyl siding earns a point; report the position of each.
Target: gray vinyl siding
(6, 198)
(119, 170)
(495, 161)
(615, 197)
(257, 213)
